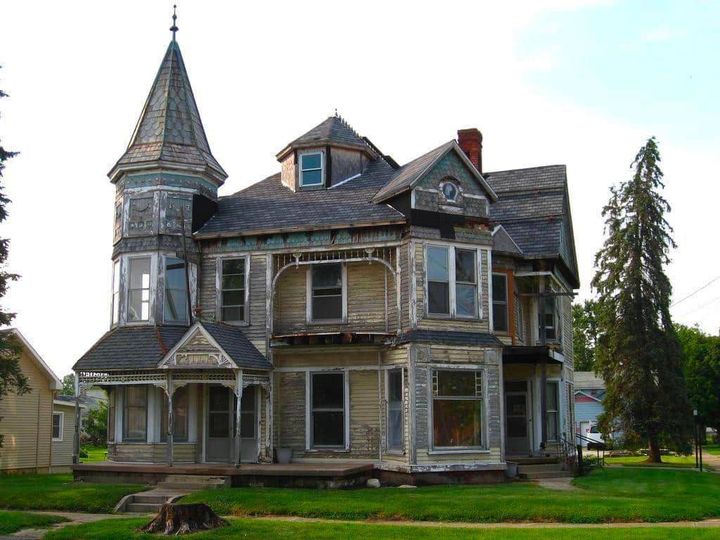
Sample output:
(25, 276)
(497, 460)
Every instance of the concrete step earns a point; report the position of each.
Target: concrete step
(144, 508)
(150, 498)
(545, 474)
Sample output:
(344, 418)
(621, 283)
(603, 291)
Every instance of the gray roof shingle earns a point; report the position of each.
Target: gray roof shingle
(333, 130)
(237, 345)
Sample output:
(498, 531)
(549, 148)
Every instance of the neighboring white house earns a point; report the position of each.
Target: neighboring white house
(589, 393)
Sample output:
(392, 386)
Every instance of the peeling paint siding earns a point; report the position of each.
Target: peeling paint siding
(364, 414)
(289, 409)
(335, 359)
(152, 452)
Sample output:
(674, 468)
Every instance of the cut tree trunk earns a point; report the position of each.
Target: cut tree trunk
(183, 519)
(653, 451)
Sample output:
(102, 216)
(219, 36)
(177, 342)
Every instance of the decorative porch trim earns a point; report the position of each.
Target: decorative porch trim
(222, 359)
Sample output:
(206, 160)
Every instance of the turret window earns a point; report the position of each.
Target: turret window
(116, 293)
(139, 289)
(176, 310)
(311, 169)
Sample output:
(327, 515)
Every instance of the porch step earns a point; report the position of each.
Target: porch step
(143, 508)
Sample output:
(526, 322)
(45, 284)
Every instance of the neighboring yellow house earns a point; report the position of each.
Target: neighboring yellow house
(32, 425)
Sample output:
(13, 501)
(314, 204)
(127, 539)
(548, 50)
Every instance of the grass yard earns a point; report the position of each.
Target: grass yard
(117, 529)
(713, 449)
(11, 522)
(59, 492)
(95, 453)
(610, 495)
(667, 461)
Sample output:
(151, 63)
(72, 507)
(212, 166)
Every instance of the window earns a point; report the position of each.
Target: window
(135, 414)
(328, 410)
(457, 409)
(233, 290)
(116, 293)
(452, 281)
(57, 426)
(176, 307)
(311, 169)
(326, 292)
(248, 426)
(180, 415)
(139, 290)
(449, 191)
(552, 408)
(500, 302)
(547, 319)
(395, 409)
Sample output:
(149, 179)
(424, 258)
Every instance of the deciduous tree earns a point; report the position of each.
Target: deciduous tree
(584, 335)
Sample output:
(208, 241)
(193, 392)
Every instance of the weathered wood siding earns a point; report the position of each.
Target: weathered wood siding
(151, 452)
(365, 413)
(27, 422)
(289, 410)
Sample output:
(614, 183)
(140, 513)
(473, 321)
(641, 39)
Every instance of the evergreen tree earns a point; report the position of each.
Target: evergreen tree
(11, 378)
(638, 353)
(584, 335)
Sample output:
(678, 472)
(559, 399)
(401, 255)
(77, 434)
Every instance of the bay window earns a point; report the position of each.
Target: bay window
(326, 292)
(138, 308)
(457, 409)
(395, 409)
(500, 302)
(328, 410)
(452, 281)
(180, 415)
(176, 297)
(233, 290)
(135, 414)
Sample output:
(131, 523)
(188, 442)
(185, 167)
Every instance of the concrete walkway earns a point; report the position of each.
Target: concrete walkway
(74, 518)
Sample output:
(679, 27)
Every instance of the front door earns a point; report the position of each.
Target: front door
(220, 415)
(516, 418)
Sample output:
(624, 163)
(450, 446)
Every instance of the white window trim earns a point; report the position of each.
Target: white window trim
(62, 426)
(309, 443)
(507, 302)
(309, 296)
(484, 446)
(322, 169)
(388, 449)
(116, 286)
(218, 288)
(125, 291)
(452, 284)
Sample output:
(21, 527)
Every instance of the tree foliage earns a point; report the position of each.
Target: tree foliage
(637, 352)
(68, 385)
(585, 332)
(96, 424)
(11, 377)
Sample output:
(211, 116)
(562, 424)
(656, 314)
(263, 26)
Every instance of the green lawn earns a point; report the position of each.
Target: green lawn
(713, 449)
(609, 495)
(59, 492)
(11, 522)
(667, 461)
(95, 453)
(116, 529)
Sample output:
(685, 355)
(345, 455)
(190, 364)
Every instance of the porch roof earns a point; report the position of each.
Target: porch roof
(530, 355)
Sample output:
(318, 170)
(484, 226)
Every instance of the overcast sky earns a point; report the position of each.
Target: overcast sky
(581, 83)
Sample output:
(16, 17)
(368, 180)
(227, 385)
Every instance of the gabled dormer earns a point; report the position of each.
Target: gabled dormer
(330, 153)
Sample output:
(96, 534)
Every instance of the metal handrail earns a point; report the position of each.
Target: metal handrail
(600, 457)
(569, 451)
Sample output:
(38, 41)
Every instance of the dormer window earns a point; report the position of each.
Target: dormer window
(311, 169)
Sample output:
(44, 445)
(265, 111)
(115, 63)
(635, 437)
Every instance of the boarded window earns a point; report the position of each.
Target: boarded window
(176, 297)
(311, 169)
(395, 409)
(457, 409)
(135, 414)
(438, 275)
(233, 292)
(180, 415)
(328, 409)
(57, 426)
(139, 289)
(327, 294)
(500, 302)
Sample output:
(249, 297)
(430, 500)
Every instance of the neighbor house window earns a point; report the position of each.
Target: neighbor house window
(395, 409)
(311, 169)
(176, 297)
(233, 291)
(116, 293)
(326, 292)
(457, 409)
(139, 290)
(552, 414)
(328, 410)
(180, 415)
(57, 426)
(500, 302)
(452, 281)
(135, 414)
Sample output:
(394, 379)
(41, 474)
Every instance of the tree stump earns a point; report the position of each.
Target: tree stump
(184, 519)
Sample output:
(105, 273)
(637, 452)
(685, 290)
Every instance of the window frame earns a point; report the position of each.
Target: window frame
(483, 447)
(452, 282)
(116, 292)
(189, 265)
(309, 410)
(301, 170)
(151, 288)
(125, 417)
(309, 294)
(61, 416)
(506, 302)
(393, 449)
(556, 412)
(219, 289)
(542, 324)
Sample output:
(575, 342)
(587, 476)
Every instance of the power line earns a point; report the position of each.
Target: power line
(701, 306)
(713, 280)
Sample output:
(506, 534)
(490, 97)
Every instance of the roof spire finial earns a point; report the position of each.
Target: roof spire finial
(174, 27)
(336, 113)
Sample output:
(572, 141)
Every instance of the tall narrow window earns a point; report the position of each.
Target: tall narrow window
(457, 409)
(176, 297)
(116, 293)
(135, 414)
(327, 292)
(328, 410)
(466, 282)
(500, 302)
(57, 426)
(139, 290)
(438, 275)
(547, 319)
(311, 169)
(180, 416)
(552, 406)
(395, 410)
(233, 292)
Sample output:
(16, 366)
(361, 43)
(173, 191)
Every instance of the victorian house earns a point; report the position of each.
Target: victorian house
(345, 309)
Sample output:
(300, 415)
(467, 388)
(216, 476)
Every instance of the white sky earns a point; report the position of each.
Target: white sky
(78, 73)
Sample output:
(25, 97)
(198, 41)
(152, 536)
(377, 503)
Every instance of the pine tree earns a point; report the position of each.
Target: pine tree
(11, 377)
(638, 353)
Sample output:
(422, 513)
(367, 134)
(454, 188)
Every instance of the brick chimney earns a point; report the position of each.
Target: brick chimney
(470, 140)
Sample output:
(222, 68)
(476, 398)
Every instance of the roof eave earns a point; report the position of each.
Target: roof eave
(218, 176)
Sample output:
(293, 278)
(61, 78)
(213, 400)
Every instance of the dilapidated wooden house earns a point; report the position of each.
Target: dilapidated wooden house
(346, 309)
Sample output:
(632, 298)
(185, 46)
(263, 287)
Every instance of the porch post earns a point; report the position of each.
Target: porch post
(269, 418)
(238, 395)
(76, 436)
(169, 444)
(543, 367)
